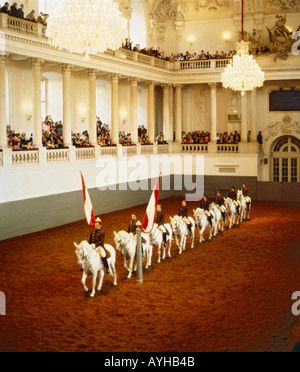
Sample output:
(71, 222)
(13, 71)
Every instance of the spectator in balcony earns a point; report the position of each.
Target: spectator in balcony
(31, 16)
(14, 10)
(20, 11)
(260, 138)
(5, 8)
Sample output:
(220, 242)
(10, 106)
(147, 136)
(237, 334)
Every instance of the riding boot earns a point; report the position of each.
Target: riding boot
(105, 263)
(190, 229)
(238, 210)
(210, 220)
(165, 238)
(224, 216)
(248, 206)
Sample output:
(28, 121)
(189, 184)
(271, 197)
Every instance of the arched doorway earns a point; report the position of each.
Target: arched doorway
(286, 160)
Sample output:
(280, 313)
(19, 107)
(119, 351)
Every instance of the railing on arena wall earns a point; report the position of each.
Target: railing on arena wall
(85, 153)
(28, 157)
(232, 148)
(194, 148)
(58, 155)
(22, 25)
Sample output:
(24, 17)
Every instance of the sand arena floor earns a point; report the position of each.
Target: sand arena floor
(230, 294)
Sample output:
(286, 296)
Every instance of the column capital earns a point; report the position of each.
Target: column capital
(92, 74)
(4, 58)
(133, 80)
(213, 85)
(36, 63)
(166, 86)
(115, 78)
(67, 68)
(178, 86)
(150, 83)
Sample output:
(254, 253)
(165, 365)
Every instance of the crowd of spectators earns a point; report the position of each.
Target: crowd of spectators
(18, 12)
(17, 141)
(52, 134)
(205, 137)
(143, 137)
(103, 134)
(156, 52)
(195, 137)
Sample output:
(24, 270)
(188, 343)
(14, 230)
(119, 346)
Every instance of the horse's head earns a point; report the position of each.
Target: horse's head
(239, 194)
(197, 214)
(80, 252)
(118, 241)
(174, 223)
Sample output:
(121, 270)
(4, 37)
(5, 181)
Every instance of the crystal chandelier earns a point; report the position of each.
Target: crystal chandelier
(87, 26)
(243, 73)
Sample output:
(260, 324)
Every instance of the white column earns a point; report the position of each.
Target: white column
(36, 64)
(92, 107)
(166, 110)
(134, 111)
(244, 125)
(253, 116)
(178, 113)
(170, 138)
(213, 128)
(3, 124)
(67, 105)
(115, 109)
(151, 114)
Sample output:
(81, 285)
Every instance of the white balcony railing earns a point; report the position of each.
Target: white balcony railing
(234, 148)
(85, 153)
(194, 148)
(129, 150)
(147, 149)
(22, 25)
(109, 151)
(163, 149)
(58, 155)
(28, 157)
(1, 159)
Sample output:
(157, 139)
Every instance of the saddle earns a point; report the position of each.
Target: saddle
(104, 253)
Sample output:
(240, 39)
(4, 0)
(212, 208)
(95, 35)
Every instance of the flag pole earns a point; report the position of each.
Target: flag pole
(139, 254)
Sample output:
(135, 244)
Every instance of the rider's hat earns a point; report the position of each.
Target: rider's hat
(98, 220)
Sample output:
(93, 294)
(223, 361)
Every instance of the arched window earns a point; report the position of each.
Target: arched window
(286, 160)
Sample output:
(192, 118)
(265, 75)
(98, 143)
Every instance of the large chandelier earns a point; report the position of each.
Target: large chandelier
(243, 73)
(87, 26)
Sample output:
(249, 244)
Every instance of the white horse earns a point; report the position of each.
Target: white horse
(156, 240)
(127, 244)
(202, 222)
(91, 263)
(246, 204)
(181, 232)
(218, 219)
(231, 212)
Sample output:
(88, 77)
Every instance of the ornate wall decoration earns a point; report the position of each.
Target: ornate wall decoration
(234, 102)
(200, 110)
(166, 10)
(284, 127)
(286, 5)
(280, 39)
(206, 4)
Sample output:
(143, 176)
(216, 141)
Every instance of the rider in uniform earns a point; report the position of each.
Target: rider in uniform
(233, 196)
(132, 226)
(160, 222)
(221, 204)
(246, 195)
(183, 213)
(204, 204)
(97, 238)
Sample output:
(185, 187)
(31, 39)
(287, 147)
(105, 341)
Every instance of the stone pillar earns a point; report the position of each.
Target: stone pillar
(134, 111)
(115, 109)
(178, 113)
(92, 107)
(36, 64)
(170, 138)
(253, 116)
(213, 128)
(67, 105)
(244, 124)
(3, 124)
(166, 111)
(151, 113)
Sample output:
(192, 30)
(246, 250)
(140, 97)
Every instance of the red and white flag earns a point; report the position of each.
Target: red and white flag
(149, 219)
(88, 208)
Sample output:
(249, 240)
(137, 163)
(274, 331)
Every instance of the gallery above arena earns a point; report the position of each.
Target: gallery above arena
(159, 93)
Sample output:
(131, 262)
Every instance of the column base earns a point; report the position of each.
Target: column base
(7, 157)
(42, 154)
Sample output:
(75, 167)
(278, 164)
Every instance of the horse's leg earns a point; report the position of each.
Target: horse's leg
(130, 267)
(201, 234)
(210, 231)
(193, 238)
(83, 281)
(113, 272)
(164, 252)
(101, 277)
(94, 284)
(170, 244)
(158, 252)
